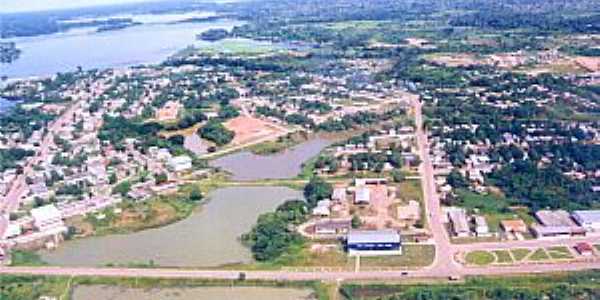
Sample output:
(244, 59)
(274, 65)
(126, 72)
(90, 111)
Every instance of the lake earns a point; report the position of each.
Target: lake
(209, 237)
(101, 292)
(288, 164)
(151, 42)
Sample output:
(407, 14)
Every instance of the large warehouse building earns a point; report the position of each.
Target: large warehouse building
(374, 242)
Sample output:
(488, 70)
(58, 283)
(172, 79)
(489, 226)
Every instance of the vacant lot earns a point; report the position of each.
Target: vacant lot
(249, 129)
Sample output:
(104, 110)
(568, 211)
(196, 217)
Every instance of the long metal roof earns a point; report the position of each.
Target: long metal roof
(373, 236)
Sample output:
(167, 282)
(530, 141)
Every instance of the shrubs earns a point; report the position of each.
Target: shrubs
(215, 131)
(273, 235)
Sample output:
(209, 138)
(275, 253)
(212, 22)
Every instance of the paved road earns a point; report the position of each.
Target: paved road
(19, 187)
(444, 263)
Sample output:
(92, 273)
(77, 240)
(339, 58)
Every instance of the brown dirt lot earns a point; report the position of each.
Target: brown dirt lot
(248, 129)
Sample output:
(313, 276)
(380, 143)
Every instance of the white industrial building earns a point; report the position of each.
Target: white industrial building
(588, 219)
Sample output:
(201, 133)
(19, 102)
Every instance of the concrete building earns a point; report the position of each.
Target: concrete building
(322, 209)
(373, 242)
(460, 225)
(481, 227)
(588, 219)
(332, 227)
(557, 223)
(180, 163)
(362, 195)
(46, 217)
(513, 226)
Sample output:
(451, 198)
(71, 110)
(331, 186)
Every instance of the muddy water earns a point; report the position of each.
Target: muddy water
(99, 292)
(288, 164)
(210, 237)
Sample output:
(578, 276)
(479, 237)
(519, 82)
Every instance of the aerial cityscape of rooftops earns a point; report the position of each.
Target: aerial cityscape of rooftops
(300, 149)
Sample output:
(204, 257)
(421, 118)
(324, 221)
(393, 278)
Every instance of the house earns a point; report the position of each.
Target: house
(460, 225)
(588, 219)
(180, 163)
(481, 227)
(46, 217)
(373, 242)
(339, 195)
(362, 195)
(39, 190)
(332, 227)
(322, 209)
(513, 226)
(585, 249)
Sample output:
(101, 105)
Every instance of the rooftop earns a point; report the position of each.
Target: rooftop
(587, 216)
(373, 236)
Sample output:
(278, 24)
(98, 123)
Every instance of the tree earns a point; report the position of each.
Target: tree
(122, 188)
(317, 189)
(196, 195)
(457, 180)
(356, 222)
(398, 176)
(215, 131)
(161, 178)
(112, 179)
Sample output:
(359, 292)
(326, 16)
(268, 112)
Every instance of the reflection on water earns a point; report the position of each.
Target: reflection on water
(207, 238)
(99, 292)
(249, 166)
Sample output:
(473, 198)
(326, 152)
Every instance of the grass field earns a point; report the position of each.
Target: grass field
(539, 255)
(26, 258)
(35, 287)
(520, 254)
(412, 256)
(559, 252)
(503, 256)
(480, 258)
(238, 46)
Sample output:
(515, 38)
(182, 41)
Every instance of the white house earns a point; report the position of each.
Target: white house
(362, 195)
(180, 163)
(588, 219)
(46, 217)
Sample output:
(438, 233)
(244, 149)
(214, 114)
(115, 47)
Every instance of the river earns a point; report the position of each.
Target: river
(151, 42)
(247, 166)
(207, 238)
(100, 292)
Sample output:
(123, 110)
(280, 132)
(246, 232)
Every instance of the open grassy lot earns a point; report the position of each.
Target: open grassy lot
(238, 46)
(412, 256)
(35, 287)
(503, 256)
(559, 252)
(520, 254)
(480, 258)
(539, 255)
(302, 257)
(26, 258)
